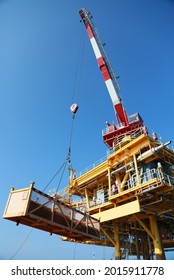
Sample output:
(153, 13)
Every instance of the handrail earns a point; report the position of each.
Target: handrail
(92, 166)
(147, 176)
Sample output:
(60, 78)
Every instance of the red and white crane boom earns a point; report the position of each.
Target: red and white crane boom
(105, 66)
(125, 123)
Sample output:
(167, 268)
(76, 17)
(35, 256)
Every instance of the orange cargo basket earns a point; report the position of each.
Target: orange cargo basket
(36, 209)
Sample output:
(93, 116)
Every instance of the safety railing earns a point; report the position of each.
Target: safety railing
(95, 164)
(96, 201)
(147, 176)
(144, 177)
(169, 179)
(133, 182)
(132, 134)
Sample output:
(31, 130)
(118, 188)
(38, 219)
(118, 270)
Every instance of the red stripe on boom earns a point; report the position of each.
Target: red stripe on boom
(90, 33)
(121, 113)
(103, 68)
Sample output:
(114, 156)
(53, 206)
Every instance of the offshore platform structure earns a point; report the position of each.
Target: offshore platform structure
(125, 201)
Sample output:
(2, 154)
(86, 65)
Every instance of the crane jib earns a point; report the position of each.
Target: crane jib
(124, 123)
(108, 76)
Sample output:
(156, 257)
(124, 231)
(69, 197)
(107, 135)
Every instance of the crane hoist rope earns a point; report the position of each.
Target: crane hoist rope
(67, 159)
(62, 167)
(73, 108)
(78, 70)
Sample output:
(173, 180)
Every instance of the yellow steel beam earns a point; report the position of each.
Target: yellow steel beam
(124, 181)
(107, 235)
(119, 211)
(119, 182)
(131, 148)
(136, 169)
(144, 226)
(87, 198)
(117, 243)
(92, 174)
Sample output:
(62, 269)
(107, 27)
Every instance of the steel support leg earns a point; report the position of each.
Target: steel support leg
(159, 251)
(117, 244)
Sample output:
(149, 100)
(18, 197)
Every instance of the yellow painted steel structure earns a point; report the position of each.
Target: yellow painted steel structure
(126, 201)
(139, 214)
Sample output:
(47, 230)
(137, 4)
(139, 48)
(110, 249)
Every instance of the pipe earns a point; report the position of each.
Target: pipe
(158, 215)
(153, 150)
(154, 202)
(166, 211)
(122, 167)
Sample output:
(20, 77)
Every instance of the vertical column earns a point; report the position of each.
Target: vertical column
(119, 182)
(87, 198)
(70, 182)
(159, 251)
(126, 176)
(109, 181)
(150, 248)
(137, 247)
(136, 169)
(117, 243)
(146, 254)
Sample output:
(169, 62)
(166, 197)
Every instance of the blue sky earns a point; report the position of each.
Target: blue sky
(40, 47)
